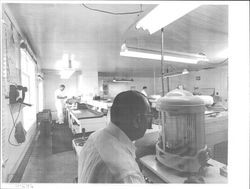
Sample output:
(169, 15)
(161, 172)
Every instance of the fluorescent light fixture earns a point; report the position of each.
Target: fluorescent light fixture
(185, 71)
(65, 66)
(115, 80)
(155, 55)
(63, 63)
(164, 14)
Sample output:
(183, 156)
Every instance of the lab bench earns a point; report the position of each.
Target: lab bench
(99, 104)
(216, 132)
(85, 119)
(216, 129)
(158, 173)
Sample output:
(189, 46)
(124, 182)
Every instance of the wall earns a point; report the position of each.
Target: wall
(213, 78)
(88, 83)
(138, 83)
(11, 74)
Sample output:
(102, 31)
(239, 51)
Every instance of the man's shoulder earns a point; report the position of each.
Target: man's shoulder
(113, 156)
(103, 142)
(97, 137)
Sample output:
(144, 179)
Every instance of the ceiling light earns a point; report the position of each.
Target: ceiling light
(165, 14)
(63, 63)
(172, 56)
(115, 80)
(65, 66)
(185, 71)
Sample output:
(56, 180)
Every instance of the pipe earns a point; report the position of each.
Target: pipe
(162, 59)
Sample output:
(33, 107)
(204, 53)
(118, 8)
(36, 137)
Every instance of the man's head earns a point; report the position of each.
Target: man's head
(180, 87)
(144, 88)
(62, 87)
(131, 112)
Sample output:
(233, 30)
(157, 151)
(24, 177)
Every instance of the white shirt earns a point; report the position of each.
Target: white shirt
(144, 92)
(59, 93)
(108, 156)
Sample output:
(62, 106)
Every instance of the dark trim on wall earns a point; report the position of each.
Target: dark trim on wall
(21, 168)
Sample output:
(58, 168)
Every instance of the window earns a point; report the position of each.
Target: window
(28, 79)
(40, 95)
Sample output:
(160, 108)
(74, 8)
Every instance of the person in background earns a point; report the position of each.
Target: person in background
(181, 87)
(144, 90)
(108, 156)
(59, 103)
(196, 91)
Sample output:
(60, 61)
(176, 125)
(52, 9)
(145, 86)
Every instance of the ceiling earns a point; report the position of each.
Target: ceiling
(95, 38)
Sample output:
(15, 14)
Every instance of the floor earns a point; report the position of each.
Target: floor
(46, 167)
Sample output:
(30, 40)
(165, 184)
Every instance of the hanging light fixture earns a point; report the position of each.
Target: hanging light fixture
(164, 14)
(172, 56)
(122, 80)
(66, 73)
(167, 75)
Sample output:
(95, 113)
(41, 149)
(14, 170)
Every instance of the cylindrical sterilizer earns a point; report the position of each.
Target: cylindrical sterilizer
(182, 135)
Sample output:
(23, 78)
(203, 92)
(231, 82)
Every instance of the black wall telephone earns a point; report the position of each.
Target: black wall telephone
(17, 94)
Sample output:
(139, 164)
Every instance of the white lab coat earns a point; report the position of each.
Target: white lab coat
(59, 103)
(108, 156)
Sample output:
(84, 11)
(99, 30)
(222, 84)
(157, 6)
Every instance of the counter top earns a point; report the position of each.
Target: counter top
(172, 176)
(104, 104)
(85, 114)
(220, 116)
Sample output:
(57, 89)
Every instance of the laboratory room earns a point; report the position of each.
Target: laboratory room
(114, 93)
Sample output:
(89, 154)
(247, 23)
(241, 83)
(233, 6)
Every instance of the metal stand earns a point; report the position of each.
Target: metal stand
(162, 59)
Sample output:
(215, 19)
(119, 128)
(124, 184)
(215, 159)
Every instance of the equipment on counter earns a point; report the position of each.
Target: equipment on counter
(206, 94)
(96, 97)
(208, 100)
(181, 144)
(81, 106)
(73, 100)
(79, 141)
(223, 171)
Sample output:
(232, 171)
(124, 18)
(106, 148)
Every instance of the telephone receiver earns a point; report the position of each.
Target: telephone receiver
(22, 90)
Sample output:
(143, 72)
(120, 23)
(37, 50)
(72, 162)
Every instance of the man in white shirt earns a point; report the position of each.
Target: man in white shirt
(59, 103)
(144, 91)
(108, 156)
